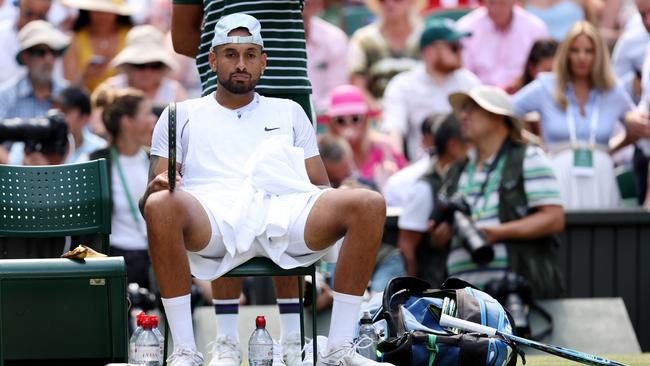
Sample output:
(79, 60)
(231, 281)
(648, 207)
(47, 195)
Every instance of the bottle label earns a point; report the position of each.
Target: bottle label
(148, 353)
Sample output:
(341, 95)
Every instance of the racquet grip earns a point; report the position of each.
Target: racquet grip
(452, 322)
(171, 160)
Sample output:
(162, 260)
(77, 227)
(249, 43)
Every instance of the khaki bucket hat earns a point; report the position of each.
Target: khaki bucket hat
(41, 32)
(491, 99)
(144, 44)
(120, 7)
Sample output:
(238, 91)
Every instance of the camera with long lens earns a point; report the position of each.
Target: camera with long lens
(515, 294)
(47, 135)
(455, 211)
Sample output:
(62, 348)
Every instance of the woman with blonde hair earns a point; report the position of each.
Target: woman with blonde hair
(580, 105)
(385, 47)
(127, 117)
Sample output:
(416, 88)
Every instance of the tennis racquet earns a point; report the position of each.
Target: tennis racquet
(584, 358)
(171, 155)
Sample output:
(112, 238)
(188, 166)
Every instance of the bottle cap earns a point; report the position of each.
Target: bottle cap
(140, 317)
(147, 322)
(366, 318)
(260, 322)
(154, 321)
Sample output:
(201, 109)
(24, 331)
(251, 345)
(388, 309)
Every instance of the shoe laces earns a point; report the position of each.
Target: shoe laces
(351, 348)
(186, 354)
(224, 347)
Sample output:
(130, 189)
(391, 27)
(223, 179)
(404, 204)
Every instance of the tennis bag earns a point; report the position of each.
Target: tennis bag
(412, 312)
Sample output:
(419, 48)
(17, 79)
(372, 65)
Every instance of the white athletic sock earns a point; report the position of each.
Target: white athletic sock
(178, 311)
(345, 315)
(227, 314)
(289, 317)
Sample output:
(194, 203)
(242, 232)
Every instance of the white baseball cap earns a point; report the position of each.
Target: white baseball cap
(233, 21)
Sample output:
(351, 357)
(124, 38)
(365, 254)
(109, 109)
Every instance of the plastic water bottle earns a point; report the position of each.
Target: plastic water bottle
(136, 333)
(260, 345)
(161, 339)
(147, 345)
(367, 340)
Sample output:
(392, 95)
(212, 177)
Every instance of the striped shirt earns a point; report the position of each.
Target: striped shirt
(541, 188)
(284, 43)
(18, 99)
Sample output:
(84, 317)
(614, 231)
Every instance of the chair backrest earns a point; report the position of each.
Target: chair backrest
(55, 200)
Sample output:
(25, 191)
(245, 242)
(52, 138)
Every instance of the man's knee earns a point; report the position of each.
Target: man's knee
(368, 204)
(163, 206)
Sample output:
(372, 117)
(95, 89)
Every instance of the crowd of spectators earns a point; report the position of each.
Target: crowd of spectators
(381, 87)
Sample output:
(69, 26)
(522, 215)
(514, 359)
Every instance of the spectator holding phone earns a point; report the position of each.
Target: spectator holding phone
(99, 34)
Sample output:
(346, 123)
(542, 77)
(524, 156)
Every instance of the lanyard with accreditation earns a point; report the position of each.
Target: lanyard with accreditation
(583, 151)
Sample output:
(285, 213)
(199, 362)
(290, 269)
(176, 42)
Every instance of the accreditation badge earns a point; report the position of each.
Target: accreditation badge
(583, 162)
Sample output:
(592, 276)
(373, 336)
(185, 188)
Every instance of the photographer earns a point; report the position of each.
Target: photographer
(423, 258)
(511, 193)
(30, 95)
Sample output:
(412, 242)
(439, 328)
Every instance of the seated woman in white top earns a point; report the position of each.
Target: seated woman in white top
(579, 105)
(144, 64)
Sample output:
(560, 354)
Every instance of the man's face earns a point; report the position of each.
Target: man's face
(644, 10)
(39, 61)
(443, 57)
(475, 122)
(30, 10)
(239, 66)
(500, 11)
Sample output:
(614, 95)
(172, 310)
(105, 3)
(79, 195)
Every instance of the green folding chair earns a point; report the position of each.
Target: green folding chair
(60, 310)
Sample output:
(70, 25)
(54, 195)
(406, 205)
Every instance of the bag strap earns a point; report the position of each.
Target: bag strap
(171, 152)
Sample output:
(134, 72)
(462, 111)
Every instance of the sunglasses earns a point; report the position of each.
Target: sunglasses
(41, 52)
(150, 65)
(455, 47)
(345, 120)
(469, 107)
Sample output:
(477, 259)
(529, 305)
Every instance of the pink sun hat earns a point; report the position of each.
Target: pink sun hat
(346, 100)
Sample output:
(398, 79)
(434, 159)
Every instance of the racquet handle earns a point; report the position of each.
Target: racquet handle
(452, 322)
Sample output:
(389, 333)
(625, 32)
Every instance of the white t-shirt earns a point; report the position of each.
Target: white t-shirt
(234, 137)
(126, 232)
(413, 95)
(396, 189)
(417, 208)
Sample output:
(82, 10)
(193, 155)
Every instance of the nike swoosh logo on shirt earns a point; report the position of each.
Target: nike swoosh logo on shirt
(271, 129)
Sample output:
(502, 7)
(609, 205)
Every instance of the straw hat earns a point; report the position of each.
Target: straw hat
(491, 99)
(120, 7)
(41, 32)
(144, 44)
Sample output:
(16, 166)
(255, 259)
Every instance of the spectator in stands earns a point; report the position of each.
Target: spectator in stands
(394, 192)
(28, 10)
(502, 35)
(512, 194)
(630, 50)
(413, 95)
(433, 5)
(579, 106)
(129, 120)
(339, 163)
(31, 94)
(74, 102)
(145, 64)
(385, 47)
(558, 15)
(375, 158)
(7, 10)
(421, 256)
(327, 48)
(540, 59)
(99, 34)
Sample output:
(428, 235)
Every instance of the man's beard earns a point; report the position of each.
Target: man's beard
(446, 68)
(239, 87)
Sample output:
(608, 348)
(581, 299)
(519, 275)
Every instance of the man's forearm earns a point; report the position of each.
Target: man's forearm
(546, 221)
(186, 28)
(407, 244)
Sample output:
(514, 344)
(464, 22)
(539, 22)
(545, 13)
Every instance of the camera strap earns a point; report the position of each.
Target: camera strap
(496, 164)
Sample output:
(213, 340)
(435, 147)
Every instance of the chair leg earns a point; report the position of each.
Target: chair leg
(313, 314)
(301, 295)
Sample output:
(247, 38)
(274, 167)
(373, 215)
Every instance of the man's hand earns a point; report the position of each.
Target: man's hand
(492, 234)
(638, 123)
(441, 233)
(161, 182)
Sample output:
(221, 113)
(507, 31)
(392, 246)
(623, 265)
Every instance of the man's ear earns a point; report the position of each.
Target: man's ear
(212, 59)
(263, 61)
